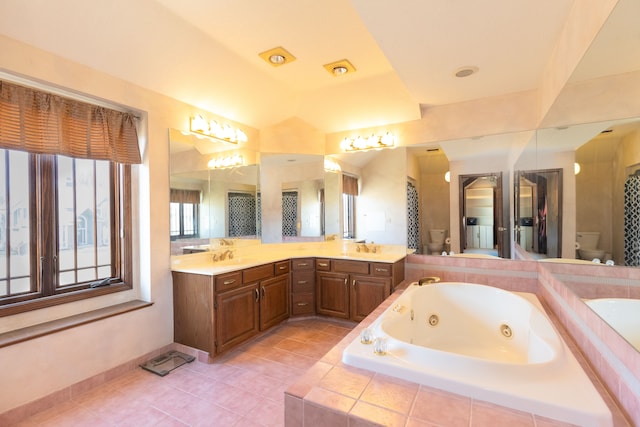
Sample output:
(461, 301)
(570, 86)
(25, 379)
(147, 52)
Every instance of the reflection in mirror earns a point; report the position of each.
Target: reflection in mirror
(429, 167)
(538, 207)
(210, 203)
(481, 213)
(292, 197)
(599, 157)
(607, 200)
(380, 207)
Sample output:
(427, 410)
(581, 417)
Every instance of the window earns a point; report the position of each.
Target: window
(348, 216)
(65, 199)
(184, 220)
(349, 194)
(184, 214)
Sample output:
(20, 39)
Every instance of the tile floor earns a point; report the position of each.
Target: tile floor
(242, 388)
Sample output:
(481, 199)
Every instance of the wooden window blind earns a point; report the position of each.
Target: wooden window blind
(43, 123)
(349, 185)
(184, 196)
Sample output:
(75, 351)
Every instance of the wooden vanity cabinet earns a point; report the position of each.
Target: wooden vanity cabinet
(216, 313)
(274, 297)
(352, 289)
(303, 286)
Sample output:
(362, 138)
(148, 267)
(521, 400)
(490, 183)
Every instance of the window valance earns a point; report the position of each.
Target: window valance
(349, 185)
(43, 123)
(184, 196)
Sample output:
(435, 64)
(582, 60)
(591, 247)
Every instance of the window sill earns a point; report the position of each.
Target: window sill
(42, 329)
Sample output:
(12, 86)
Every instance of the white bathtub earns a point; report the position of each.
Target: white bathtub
(621, 314)
(484, 343)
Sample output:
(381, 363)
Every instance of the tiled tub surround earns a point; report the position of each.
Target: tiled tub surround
(485, 343)
(616, 362)
(334, 394)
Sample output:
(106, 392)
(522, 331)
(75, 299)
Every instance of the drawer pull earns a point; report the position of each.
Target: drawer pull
(282, 267)
(228, 282)
(302, 304)
(302, 282)
(323, 264)
(257, 292)
(382, 270)
(302, 264)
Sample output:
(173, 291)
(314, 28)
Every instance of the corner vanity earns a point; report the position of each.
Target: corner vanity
(219, 305)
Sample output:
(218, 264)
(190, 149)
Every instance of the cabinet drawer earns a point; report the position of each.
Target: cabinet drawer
(303, 281)
(228, 281)
(281, 267)
(347, 266)
(302, 264)
(255, 274)
(302, 304)
(323, 264)
(381, 269)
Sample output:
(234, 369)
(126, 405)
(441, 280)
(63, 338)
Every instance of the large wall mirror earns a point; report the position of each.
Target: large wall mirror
(292, 188)
(587, 170)
(380, 205)
(209, 202)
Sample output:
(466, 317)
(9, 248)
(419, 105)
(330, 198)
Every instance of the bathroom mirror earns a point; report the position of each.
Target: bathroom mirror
(292, 197)
(481, 213)
(210, 202)
(538, 212)
(381, 204)
(596, 159)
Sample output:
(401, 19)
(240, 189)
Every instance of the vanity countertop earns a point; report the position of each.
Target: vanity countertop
(259, 254)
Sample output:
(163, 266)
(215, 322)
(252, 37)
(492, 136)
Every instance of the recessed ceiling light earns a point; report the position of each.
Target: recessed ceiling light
(340, 68)
(277, 56)
(466, 71)
(277, 59)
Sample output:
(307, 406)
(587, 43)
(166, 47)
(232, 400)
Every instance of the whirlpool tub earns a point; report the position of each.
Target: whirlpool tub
(484, 343)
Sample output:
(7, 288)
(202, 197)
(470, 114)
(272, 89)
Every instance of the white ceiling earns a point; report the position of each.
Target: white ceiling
(205, 52)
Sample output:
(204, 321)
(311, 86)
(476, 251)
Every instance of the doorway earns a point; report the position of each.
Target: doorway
(482, 228)
(538, 212)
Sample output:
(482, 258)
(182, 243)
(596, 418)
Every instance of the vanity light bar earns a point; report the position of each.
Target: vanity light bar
(388, 140)
(224, 133)
(226, 162)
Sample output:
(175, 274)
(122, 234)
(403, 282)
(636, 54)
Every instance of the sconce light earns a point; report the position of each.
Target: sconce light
(387, 140)
(576, 168)
(226, 162)
(331, 165)
(447, 176)
(216, 131)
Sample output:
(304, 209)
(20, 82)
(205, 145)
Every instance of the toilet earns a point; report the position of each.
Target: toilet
(437, 241)
(588, 243)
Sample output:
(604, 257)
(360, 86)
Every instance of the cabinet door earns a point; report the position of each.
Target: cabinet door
(332, 294)
(193, 311)
(367, 293)
(274, 301)
(237, 316)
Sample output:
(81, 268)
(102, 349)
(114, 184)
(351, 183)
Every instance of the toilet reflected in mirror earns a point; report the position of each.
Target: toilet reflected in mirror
(436, 244)
(587, 244)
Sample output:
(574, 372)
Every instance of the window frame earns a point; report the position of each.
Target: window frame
(196, 221)
(43, 240)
